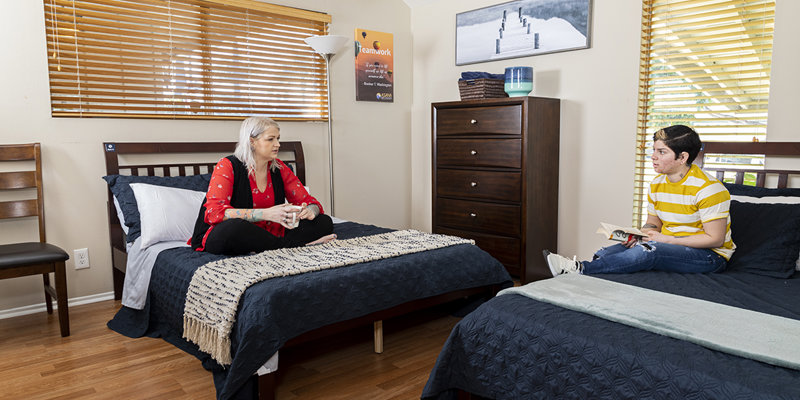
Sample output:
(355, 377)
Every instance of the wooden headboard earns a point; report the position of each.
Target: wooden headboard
(791, 149)
(290, 153)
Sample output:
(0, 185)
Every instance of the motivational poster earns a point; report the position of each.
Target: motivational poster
(374, 66)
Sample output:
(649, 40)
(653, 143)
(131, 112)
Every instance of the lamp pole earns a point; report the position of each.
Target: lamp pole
(328, 57)
(327, 46)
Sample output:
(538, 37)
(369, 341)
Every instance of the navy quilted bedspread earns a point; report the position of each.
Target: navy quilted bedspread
(513, 347)
(276, 310)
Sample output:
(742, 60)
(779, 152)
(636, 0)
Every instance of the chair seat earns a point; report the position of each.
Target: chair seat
(21, 254)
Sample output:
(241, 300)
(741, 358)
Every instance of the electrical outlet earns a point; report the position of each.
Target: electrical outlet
(81, 258)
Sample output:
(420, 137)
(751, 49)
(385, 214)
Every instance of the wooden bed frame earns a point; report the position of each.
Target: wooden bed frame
(291, 153)
(791, 149)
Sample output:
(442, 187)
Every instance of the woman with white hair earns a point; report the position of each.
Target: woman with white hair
(246, 209)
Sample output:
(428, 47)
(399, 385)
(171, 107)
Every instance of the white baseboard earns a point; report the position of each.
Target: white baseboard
(36, 308)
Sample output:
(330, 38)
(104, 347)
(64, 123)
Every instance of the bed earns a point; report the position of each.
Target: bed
(153, 269)
(515, 347)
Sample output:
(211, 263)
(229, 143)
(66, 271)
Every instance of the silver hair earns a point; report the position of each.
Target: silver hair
(252, 128)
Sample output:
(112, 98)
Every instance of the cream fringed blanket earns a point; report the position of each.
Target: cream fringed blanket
(215, 289)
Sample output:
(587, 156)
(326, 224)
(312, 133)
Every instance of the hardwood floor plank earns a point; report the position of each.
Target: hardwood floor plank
(96, 363)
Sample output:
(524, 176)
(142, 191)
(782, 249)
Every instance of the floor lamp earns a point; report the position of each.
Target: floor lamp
(327, 46)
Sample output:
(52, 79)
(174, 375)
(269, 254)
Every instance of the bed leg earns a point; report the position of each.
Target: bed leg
(378, 331)
(119, 279)
(266, 386)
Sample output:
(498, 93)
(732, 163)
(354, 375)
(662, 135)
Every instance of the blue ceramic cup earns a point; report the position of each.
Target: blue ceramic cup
(519, 81)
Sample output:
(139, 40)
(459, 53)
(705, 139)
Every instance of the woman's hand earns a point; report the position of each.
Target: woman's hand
(308, 212)
(281, 214)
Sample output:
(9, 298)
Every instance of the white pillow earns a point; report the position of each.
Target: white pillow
(166, 213)
(767, 199)
(771, 200)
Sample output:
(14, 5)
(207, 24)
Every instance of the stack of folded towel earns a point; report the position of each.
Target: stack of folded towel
(469, 75)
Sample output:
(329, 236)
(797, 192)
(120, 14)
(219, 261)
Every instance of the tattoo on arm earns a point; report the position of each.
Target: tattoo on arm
(645, 226)
(247, 214)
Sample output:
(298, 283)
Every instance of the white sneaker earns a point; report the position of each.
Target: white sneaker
(562, 265)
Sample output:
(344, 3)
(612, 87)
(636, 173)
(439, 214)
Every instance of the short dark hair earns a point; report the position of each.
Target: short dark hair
(680, 138)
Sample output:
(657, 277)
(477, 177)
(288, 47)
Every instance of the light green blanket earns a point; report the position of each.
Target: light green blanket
(758, 336)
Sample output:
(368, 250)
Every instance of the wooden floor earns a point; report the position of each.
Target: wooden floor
(97, 363)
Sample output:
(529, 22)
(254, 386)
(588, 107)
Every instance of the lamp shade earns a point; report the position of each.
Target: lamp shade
(328, 44)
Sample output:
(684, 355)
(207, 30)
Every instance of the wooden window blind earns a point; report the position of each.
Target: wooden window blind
(704, 64)
(207, 59)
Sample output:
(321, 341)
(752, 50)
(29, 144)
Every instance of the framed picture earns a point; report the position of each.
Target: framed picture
(374, 66)
(522, 28)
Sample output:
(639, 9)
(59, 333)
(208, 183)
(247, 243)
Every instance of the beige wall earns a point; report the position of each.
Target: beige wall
(372, 141)
(598, 90)
(382, 158)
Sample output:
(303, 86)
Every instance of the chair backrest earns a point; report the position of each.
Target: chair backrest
(28, 179)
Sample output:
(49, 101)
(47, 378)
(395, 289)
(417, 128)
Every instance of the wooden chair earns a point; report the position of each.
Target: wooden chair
(32, 258)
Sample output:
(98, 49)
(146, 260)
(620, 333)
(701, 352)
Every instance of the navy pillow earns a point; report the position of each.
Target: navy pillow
(120, 187)
(752, 191)
(767, 238)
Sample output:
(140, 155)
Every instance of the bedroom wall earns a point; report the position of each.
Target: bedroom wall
(372, 142)
(382, 157)
(598, 91)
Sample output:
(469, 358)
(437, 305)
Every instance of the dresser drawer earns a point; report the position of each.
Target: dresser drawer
(479, 153)
(479, 216)
(488, 185)
(502, 120)
(504, 249)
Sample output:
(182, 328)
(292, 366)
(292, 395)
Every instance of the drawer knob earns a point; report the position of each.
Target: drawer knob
(473, 215)
(473, 184)
(473, 121)
(473, 152)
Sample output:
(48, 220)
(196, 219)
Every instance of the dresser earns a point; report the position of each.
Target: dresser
(495, 178)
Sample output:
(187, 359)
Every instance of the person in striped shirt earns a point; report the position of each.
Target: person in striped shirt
(688, 223)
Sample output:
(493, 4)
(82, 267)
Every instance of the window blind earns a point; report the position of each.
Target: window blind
(208, 59)
(704, 64)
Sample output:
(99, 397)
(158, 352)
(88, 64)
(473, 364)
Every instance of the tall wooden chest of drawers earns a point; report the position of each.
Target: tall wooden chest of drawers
(495, 177)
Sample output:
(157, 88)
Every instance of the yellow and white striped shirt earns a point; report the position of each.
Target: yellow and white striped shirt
(685, 205)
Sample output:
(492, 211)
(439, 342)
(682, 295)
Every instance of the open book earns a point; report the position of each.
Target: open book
(619, 233)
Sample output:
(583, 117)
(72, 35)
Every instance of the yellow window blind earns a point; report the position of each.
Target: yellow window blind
(208, 59)
(704, 64)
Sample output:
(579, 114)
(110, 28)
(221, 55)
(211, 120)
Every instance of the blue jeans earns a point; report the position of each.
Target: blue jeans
(653, 256)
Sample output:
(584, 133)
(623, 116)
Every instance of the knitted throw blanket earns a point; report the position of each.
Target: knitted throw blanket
(215, 289)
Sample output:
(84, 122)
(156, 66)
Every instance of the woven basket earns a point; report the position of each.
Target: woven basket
(481, 88)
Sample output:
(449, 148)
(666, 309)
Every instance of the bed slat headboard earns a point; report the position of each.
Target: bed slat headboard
(765, 148)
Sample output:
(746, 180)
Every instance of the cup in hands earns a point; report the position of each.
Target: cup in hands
(294, 221)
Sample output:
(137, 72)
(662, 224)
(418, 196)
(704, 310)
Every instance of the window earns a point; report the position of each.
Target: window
(208, 59)
(704, 64)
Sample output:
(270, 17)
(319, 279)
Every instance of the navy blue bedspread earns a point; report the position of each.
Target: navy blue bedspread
(276, 310)
(514, 347)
